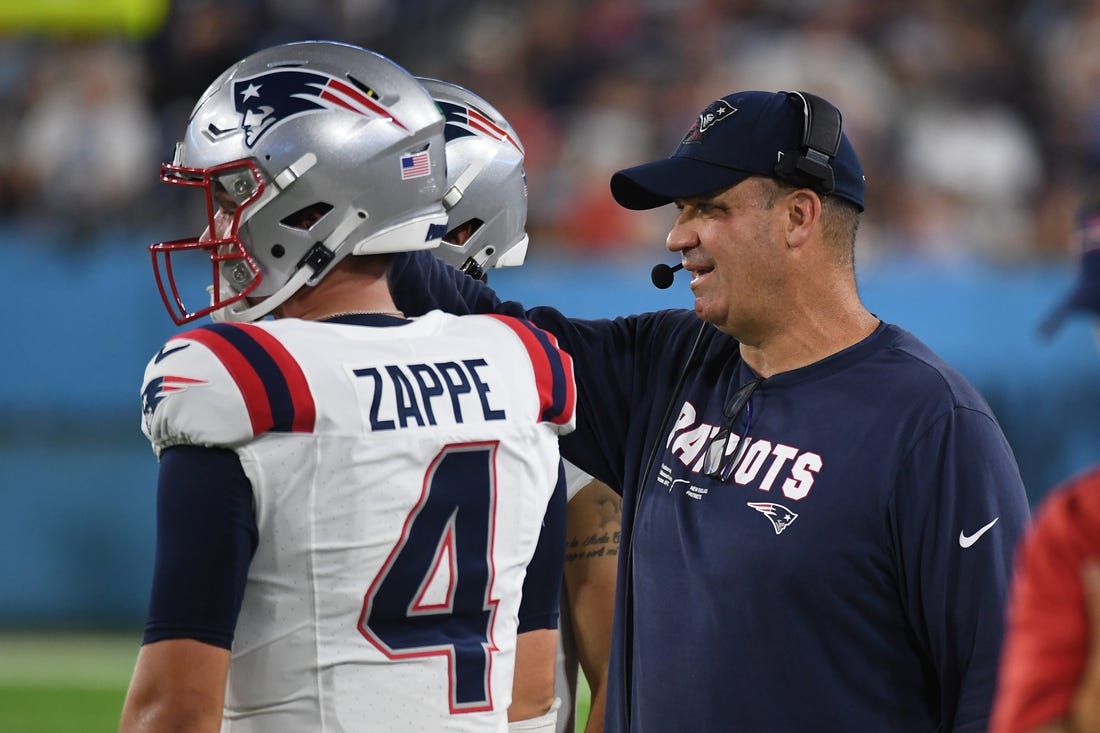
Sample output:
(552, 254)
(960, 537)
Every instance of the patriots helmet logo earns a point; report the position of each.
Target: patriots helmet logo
(707, 119)
(463, 121)
(781, 517)
(269, 99)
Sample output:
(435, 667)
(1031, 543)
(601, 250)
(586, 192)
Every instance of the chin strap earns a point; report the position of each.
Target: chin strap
(454, 193)
(316, 261)
(265, 306)
(218, 316)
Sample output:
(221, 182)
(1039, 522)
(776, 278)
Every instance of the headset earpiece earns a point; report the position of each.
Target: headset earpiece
(810, 165)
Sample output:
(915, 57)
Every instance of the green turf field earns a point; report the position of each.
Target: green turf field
(64, 682)
(74, 683)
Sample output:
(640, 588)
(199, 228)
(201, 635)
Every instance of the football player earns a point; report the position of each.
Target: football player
(348, 500)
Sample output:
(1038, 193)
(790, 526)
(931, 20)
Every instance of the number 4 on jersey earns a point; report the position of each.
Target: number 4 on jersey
(454, 520)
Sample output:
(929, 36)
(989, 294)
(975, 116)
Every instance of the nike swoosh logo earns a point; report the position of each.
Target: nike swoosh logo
(168, 352)
(968, 540)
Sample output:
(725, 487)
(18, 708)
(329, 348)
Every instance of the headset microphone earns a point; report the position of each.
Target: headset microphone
(662, 275)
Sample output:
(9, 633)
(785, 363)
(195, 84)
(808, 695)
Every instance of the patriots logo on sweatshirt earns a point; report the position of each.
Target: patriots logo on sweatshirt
(781, 517)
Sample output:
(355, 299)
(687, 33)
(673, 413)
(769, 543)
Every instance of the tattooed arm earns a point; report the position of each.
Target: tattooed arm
(591, 556)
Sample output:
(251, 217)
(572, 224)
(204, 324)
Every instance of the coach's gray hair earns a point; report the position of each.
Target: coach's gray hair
(840, 217)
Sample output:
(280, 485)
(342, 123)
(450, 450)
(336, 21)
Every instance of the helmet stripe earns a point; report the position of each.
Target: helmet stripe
(351, 98)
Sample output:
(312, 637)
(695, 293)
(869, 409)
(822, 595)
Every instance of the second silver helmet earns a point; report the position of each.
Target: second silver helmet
(486, 183)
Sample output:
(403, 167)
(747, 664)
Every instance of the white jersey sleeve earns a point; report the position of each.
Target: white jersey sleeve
(575, 479)
(206, 406)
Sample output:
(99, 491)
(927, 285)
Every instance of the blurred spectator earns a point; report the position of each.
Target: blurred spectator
(606, 132)
(969, 174)
(1064, 40)
(200, 39)
(17, 58)
(86, 142)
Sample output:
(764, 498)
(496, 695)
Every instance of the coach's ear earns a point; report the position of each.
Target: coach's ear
(802, 207)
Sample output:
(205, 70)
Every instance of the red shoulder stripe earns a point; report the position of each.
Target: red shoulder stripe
(248, 380)
(305, 409)
(553, 370)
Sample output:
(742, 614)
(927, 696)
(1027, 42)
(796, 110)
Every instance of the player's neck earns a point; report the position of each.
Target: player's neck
(343, 291)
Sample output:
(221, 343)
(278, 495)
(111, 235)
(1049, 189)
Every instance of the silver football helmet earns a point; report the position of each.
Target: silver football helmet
(307, 152)
(486, 183)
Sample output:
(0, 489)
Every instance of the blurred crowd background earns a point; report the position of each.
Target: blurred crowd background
(978, 123)
(976, 119)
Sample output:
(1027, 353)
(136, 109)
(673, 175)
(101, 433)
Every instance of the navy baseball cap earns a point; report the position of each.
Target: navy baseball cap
(740, 135)
(1084, 296)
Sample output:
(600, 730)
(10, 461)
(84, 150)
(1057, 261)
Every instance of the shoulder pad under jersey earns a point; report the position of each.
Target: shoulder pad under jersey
(553, 370)
(222, 385)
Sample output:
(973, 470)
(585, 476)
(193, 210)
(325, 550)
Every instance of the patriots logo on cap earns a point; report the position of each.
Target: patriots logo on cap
(708, 118)
(266, 100)
(464, 121)
(781, 517)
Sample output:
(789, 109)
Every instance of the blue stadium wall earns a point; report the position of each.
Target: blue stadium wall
(77, 477)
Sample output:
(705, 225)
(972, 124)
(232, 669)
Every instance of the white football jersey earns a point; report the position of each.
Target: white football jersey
(400, 478)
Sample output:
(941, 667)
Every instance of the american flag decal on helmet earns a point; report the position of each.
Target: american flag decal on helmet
(415, 165)
(269, 99)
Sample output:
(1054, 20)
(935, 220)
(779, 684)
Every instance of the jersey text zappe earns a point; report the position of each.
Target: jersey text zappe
(423, 394)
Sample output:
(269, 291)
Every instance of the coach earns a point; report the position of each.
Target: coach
(819, 514)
